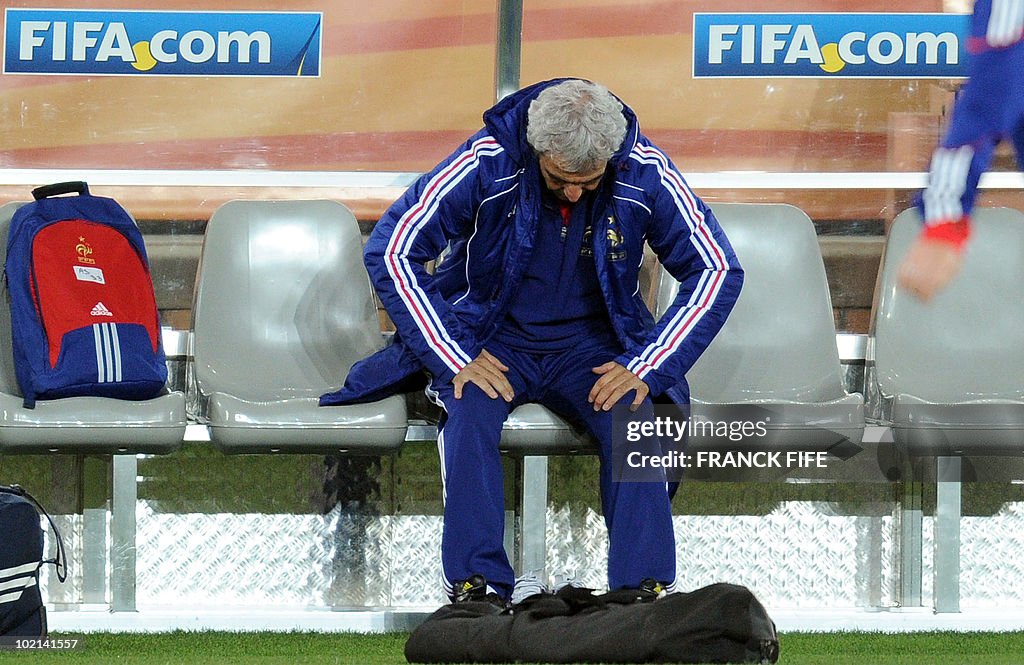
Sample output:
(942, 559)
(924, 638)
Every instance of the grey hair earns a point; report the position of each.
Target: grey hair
(577, 123)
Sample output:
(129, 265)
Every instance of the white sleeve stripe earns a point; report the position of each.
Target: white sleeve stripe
(685, 200)
(692, 302)
(701, 250)
(408, 227)
(655, 355)
(669, 336)
(947, 181)
(708, 286)
(1005, 22)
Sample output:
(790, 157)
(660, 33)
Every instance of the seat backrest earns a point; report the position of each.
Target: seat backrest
(283, 305)
(779, 342)
(8, 379)
(968, 342)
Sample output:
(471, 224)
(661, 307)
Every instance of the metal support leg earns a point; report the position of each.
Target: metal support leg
(534, 510)
(869, 561)
(122, 533)
(947, 534)
(95, 485)
(911, 544)
(512, 544)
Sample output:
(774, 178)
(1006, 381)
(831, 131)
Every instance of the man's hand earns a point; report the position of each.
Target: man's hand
(488, 374)
(928, 267)
(615, 382)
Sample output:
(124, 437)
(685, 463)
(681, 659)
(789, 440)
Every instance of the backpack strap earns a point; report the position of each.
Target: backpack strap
(60, 563)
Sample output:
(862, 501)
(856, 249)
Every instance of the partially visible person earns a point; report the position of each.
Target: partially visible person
(990, 108)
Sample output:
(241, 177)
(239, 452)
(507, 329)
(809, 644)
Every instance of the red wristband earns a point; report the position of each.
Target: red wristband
(954, 233)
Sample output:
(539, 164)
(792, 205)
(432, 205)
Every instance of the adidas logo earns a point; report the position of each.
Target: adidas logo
(101, 310)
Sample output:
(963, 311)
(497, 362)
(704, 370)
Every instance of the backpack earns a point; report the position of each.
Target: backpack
(22, 613)
(719, 623)
(83, 311)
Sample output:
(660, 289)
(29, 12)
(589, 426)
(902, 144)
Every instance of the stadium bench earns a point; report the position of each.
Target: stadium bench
(260, 350)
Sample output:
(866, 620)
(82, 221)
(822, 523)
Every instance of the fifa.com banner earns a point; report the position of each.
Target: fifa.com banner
(169, 43)
(830, 45)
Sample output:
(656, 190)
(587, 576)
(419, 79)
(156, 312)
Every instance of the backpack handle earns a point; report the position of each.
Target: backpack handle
(59, 188)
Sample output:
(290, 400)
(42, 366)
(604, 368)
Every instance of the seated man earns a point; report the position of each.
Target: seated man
(538, 224)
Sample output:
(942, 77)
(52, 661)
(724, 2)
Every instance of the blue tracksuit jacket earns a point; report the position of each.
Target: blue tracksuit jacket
(478, 212)
(989, 109)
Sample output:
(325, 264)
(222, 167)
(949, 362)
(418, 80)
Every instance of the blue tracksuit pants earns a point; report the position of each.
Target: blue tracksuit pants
(637, 514)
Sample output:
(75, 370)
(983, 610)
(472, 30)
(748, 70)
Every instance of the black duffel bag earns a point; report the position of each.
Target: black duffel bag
(22, 613)
(720, 623)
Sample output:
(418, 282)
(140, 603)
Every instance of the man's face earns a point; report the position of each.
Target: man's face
(568, 186)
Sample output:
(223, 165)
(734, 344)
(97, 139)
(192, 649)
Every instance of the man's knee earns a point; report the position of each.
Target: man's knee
(477, 404)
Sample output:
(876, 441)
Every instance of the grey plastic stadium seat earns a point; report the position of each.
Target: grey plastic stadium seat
(76, 425)
(283, 308)
(950, 373)
(532, 429)
(776, 355)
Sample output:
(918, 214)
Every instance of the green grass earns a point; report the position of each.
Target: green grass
(209, 648)
(326, 648)
(902, 648)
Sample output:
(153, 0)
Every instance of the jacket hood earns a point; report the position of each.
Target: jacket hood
(506, 122)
